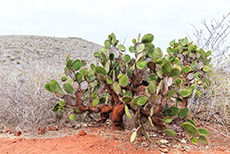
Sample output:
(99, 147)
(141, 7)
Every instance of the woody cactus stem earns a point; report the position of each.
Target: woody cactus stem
(155, 87)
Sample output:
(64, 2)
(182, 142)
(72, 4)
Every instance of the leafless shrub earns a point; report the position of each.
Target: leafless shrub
(215, 37)
(25, 104)
(213, 104)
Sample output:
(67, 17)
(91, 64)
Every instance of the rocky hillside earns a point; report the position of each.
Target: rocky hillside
(27, 63)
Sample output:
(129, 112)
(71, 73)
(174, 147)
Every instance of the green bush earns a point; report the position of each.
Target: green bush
(154, 87)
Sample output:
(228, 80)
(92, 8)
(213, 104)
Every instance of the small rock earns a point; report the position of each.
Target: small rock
(163, 150)
(52, 128)
(115, 138)
(144, 144)
(182, 149)
(9, 131)
(77, 126)
(163, 146)
(84, 125)
(186, 147)
(183, 141)
(177, 146)
(163, 141)
(82, 133)
(41, 130)
(18, 133)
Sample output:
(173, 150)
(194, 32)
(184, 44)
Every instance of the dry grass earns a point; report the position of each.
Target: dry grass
(25, 104)
(212, 104)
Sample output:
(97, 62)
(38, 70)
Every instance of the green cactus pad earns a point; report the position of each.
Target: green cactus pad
(191, 55)
(62, 103)
(96, 101)
(157, 53)
(127, 112)
(206, 68)
(59, 90)
(129, 94)
(151, 65)
(121, 47)
(171, 93)
(56, 107)
(194, 140)
(184, 92)
(166, 68)
(111, 56)
(203, 139)
(179, 81)
(167, 120)
(69, 63)
(184, 41)
(96, 54)
(189, 128)
(183, 113)
(171, 43)
(101, 70)
(194, 65)
(76, 65)
(131, 49)
(63, 78)
(150, 53)
(126, 99)
(142, 100)
(158, 61)
(68, 88)
(116, 87)
(187, 69)
(70, 81)
(174, 73)
(93, 67)
(109, 81)
(133, 136)
(170, 132)
(151, 77)
(170, 50)
(101, 77)
(79, 77)
(47, 86)
(127, 59)
(174, 109)
(172, 59)
(208, 53)
(140, 47)
(152, 87)
(94, 95)
(72, 116)
(191, 122)
(203, 131)
(147, 38)
(107, 44)
(123, 80)
(77, 110)
(141, 64)
(53, 85)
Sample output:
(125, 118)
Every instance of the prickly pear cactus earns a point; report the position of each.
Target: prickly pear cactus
(154, 87)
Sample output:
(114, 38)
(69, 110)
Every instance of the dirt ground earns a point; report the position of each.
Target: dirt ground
(103, 139)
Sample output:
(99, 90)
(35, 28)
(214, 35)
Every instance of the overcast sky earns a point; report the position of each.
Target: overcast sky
(93, 20)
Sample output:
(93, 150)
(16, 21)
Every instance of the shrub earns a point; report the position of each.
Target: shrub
(154, 87)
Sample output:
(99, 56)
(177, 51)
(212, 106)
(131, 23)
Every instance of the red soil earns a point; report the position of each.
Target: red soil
(100, 140)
